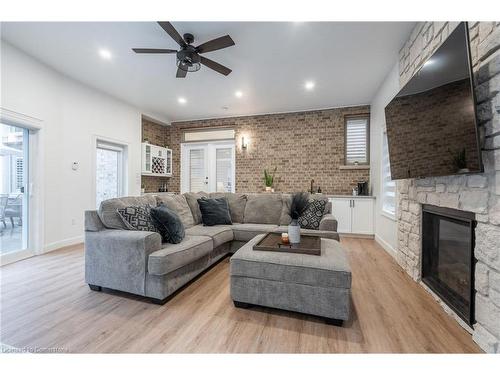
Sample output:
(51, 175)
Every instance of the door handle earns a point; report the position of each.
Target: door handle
(353, 203)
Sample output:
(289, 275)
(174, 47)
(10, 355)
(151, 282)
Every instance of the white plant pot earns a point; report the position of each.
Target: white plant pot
(294, 233)
(268, 189)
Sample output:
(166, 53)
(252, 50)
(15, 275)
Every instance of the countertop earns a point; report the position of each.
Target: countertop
(320, 194)
(350, 196)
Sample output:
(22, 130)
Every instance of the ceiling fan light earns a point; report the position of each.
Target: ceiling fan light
(188, 67)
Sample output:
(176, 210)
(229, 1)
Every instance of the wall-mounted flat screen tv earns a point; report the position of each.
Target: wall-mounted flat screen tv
(431, 123)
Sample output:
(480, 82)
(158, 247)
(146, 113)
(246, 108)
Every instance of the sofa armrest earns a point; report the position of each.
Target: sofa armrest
(92, 221)
(328, 222)
(118, 259)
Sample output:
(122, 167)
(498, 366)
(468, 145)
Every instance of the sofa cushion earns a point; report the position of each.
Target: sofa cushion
(174, 256)
(263, 209)
(219, 234)
(237, 203)
(168, 224)
(312, 232)
(330, 270)
(192, 200)
(245, 232)
(285, 217)
(214, 211)
(179, 204)
(108, 213)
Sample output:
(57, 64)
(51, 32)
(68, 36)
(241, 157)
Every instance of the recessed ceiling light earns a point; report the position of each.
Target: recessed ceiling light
(238, 94)
(105, 54)
(182, 100)
(309, 85)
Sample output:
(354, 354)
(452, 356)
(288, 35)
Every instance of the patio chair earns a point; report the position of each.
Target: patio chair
(4, 198)
(14, 209)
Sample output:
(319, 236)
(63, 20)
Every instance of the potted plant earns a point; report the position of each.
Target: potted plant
(297, 207)
(269, 179)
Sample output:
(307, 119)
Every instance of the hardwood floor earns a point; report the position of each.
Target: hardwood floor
(45, 303)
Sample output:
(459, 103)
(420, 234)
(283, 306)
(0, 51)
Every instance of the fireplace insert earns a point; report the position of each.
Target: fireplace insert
(448, 257)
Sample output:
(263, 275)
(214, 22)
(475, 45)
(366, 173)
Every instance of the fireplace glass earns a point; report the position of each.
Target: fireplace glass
(447, 257)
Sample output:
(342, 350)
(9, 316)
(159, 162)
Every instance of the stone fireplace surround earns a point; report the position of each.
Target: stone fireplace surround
(479, 193)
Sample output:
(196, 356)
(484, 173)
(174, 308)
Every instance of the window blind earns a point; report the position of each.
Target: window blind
(197, 170)
(223, 168)
(356, 141)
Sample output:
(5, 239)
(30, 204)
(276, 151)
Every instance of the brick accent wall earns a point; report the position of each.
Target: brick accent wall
(478, 193)
(155, 134)
(303, 146)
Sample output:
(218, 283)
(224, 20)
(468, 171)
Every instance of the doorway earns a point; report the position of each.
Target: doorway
(208, 167)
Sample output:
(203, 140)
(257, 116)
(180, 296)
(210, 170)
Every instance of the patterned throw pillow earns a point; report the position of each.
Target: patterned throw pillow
(312, 215)
(137, 218)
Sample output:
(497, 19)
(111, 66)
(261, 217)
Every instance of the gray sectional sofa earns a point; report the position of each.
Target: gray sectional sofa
(139, 263)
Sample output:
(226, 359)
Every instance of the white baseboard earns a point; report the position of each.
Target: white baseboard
(385, 245)
(63, 243)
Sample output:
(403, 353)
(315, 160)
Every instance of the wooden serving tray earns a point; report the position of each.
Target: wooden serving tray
(310, 245)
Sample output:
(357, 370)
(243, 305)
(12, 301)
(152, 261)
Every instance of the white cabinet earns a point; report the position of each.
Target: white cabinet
(341, 209)
(156, 160)
(354, 214)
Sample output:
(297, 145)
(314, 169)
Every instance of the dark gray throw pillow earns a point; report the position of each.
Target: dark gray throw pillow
(311, 216)
(137, 218)
(214, 211)
(168, 224)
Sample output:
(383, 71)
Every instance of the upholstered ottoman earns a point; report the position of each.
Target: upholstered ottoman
(310, 284)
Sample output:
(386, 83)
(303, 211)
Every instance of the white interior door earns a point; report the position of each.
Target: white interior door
(208, 167)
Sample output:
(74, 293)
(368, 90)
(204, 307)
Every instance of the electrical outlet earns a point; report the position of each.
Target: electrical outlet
(73, 221)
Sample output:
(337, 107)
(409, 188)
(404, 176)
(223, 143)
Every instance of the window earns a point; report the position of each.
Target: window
(198, 135)
(356, 140)
(110, 167)
(388, 185)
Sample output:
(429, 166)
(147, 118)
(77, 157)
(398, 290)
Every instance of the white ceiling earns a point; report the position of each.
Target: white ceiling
(270, 62)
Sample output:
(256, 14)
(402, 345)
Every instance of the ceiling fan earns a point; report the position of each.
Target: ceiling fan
(188, 57)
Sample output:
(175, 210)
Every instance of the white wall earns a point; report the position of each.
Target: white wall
(72, 115)
(385, 228)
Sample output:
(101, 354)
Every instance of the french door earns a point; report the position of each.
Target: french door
(208, 167)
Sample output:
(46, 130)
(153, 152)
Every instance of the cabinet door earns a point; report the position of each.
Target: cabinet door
(146, 158)
(168, 163)
(362, 216)
(341, 209)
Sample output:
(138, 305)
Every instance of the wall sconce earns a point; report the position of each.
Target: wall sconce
(244, 143)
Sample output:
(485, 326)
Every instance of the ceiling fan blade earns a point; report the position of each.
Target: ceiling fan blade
(153, 50)
(170, 30)
(181, 73)
(215, 44)
(215, 66)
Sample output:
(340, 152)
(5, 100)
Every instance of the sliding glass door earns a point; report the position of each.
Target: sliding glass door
(208, 167)
(13, 189)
